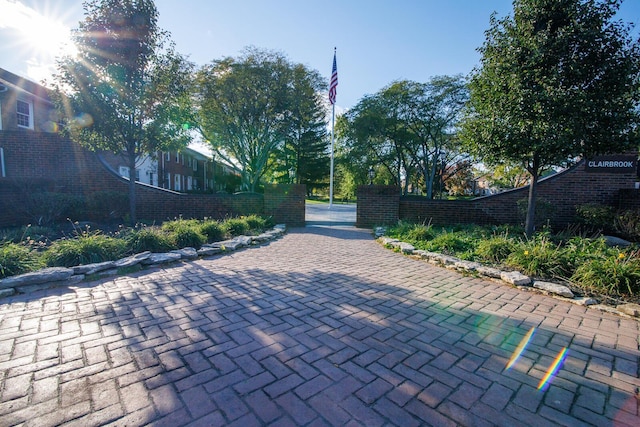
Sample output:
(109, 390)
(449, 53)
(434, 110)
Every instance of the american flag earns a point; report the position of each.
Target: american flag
(334, 81)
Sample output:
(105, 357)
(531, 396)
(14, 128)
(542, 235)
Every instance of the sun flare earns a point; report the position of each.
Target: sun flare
(41, 35)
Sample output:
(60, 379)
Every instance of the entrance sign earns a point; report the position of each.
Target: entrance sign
(612, 164)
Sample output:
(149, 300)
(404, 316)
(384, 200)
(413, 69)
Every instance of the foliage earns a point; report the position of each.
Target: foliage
(46, 208)
(543, 211)
(305, 139)
(595, 216)
(236, 226)
(187, 236)
(495, 249)
(407, 128)
(606, 219)
(627, 224)
(17, 259)
(107, 205)
(540, 257)
(450, 243)
(212, 230)
(149, 239)
(29, 248)
(557, 80)
(259, 111)
(86, 248)
(29, 232)
(124, 91)
(588, 263)
(258, 223)
(615, 274)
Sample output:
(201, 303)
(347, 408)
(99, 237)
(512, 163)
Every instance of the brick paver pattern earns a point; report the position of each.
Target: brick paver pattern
(321, 327)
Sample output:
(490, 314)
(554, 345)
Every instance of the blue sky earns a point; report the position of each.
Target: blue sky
(378, 41)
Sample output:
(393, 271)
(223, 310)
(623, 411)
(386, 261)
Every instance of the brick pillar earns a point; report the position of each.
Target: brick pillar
(285, 203)
(377, 205)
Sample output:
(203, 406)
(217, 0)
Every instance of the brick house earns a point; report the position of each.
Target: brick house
(26, 106)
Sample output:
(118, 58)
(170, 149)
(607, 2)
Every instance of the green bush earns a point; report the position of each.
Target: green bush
(612, 275)
(174, 225)
(495, 249)
(540, 257)
(451, 243)
(17, 259)
(255, 222)
(213, 230)
(236, 226)
(421, 232)
(86, 248)
(595, 216)
(627, 224)
(149, 239)
(188, 236)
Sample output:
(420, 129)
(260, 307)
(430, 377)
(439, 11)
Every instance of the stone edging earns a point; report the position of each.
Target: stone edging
(58, 276)
(514, 278)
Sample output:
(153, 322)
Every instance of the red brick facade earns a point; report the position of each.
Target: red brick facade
(380, 205)
(37, 161)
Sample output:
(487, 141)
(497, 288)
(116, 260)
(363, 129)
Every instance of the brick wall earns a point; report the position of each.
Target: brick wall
(42, 161)
(285, 203)
(377, 205)
(562, 192)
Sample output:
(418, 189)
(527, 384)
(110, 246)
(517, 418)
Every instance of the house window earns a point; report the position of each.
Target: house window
(177, 157)
(167, 156)
(167, 181)
(176, 182)
(138, 175)
(189, 161)
(3, 172)
(124, 171)
(195, 165)
(24, 114)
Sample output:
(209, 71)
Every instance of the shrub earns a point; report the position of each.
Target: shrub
(421, 232)
(236, 226)
(188, 235)
(86, 248)
(212, 230)
(627, 224)
(46, 208)
(495, 249)
(28, 232)
(255, 222)
(149, 239)
(540, 257)
(17, 259)
(108, 204)
(174, 225)
(595, 216)
(612, 275)
(450, 243)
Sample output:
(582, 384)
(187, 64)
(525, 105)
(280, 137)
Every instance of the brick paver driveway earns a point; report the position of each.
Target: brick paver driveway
(321, 327)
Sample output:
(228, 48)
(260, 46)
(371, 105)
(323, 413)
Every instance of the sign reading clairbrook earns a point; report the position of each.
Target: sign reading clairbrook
(612, 164)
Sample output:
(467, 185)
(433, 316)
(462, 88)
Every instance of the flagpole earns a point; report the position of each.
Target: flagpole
(332, 98)
(333, 120)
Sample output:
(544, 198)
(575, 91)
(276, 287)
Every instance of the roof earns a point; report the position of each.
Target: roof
(13, 81)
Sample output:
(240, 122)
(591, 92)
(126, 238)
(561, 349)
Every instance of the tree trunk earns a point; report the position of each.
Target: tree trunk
(132, 189)
(531, 203)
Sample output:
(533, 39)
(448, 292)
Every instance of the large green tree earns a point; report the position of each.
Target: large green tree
(259, 112)
(305, 152)
(126, 91)
(407, 129)
(558, 79)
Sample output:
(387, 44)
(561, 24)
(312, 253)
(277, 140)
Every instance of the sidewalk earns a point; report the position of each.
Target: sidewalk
(320, 327)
